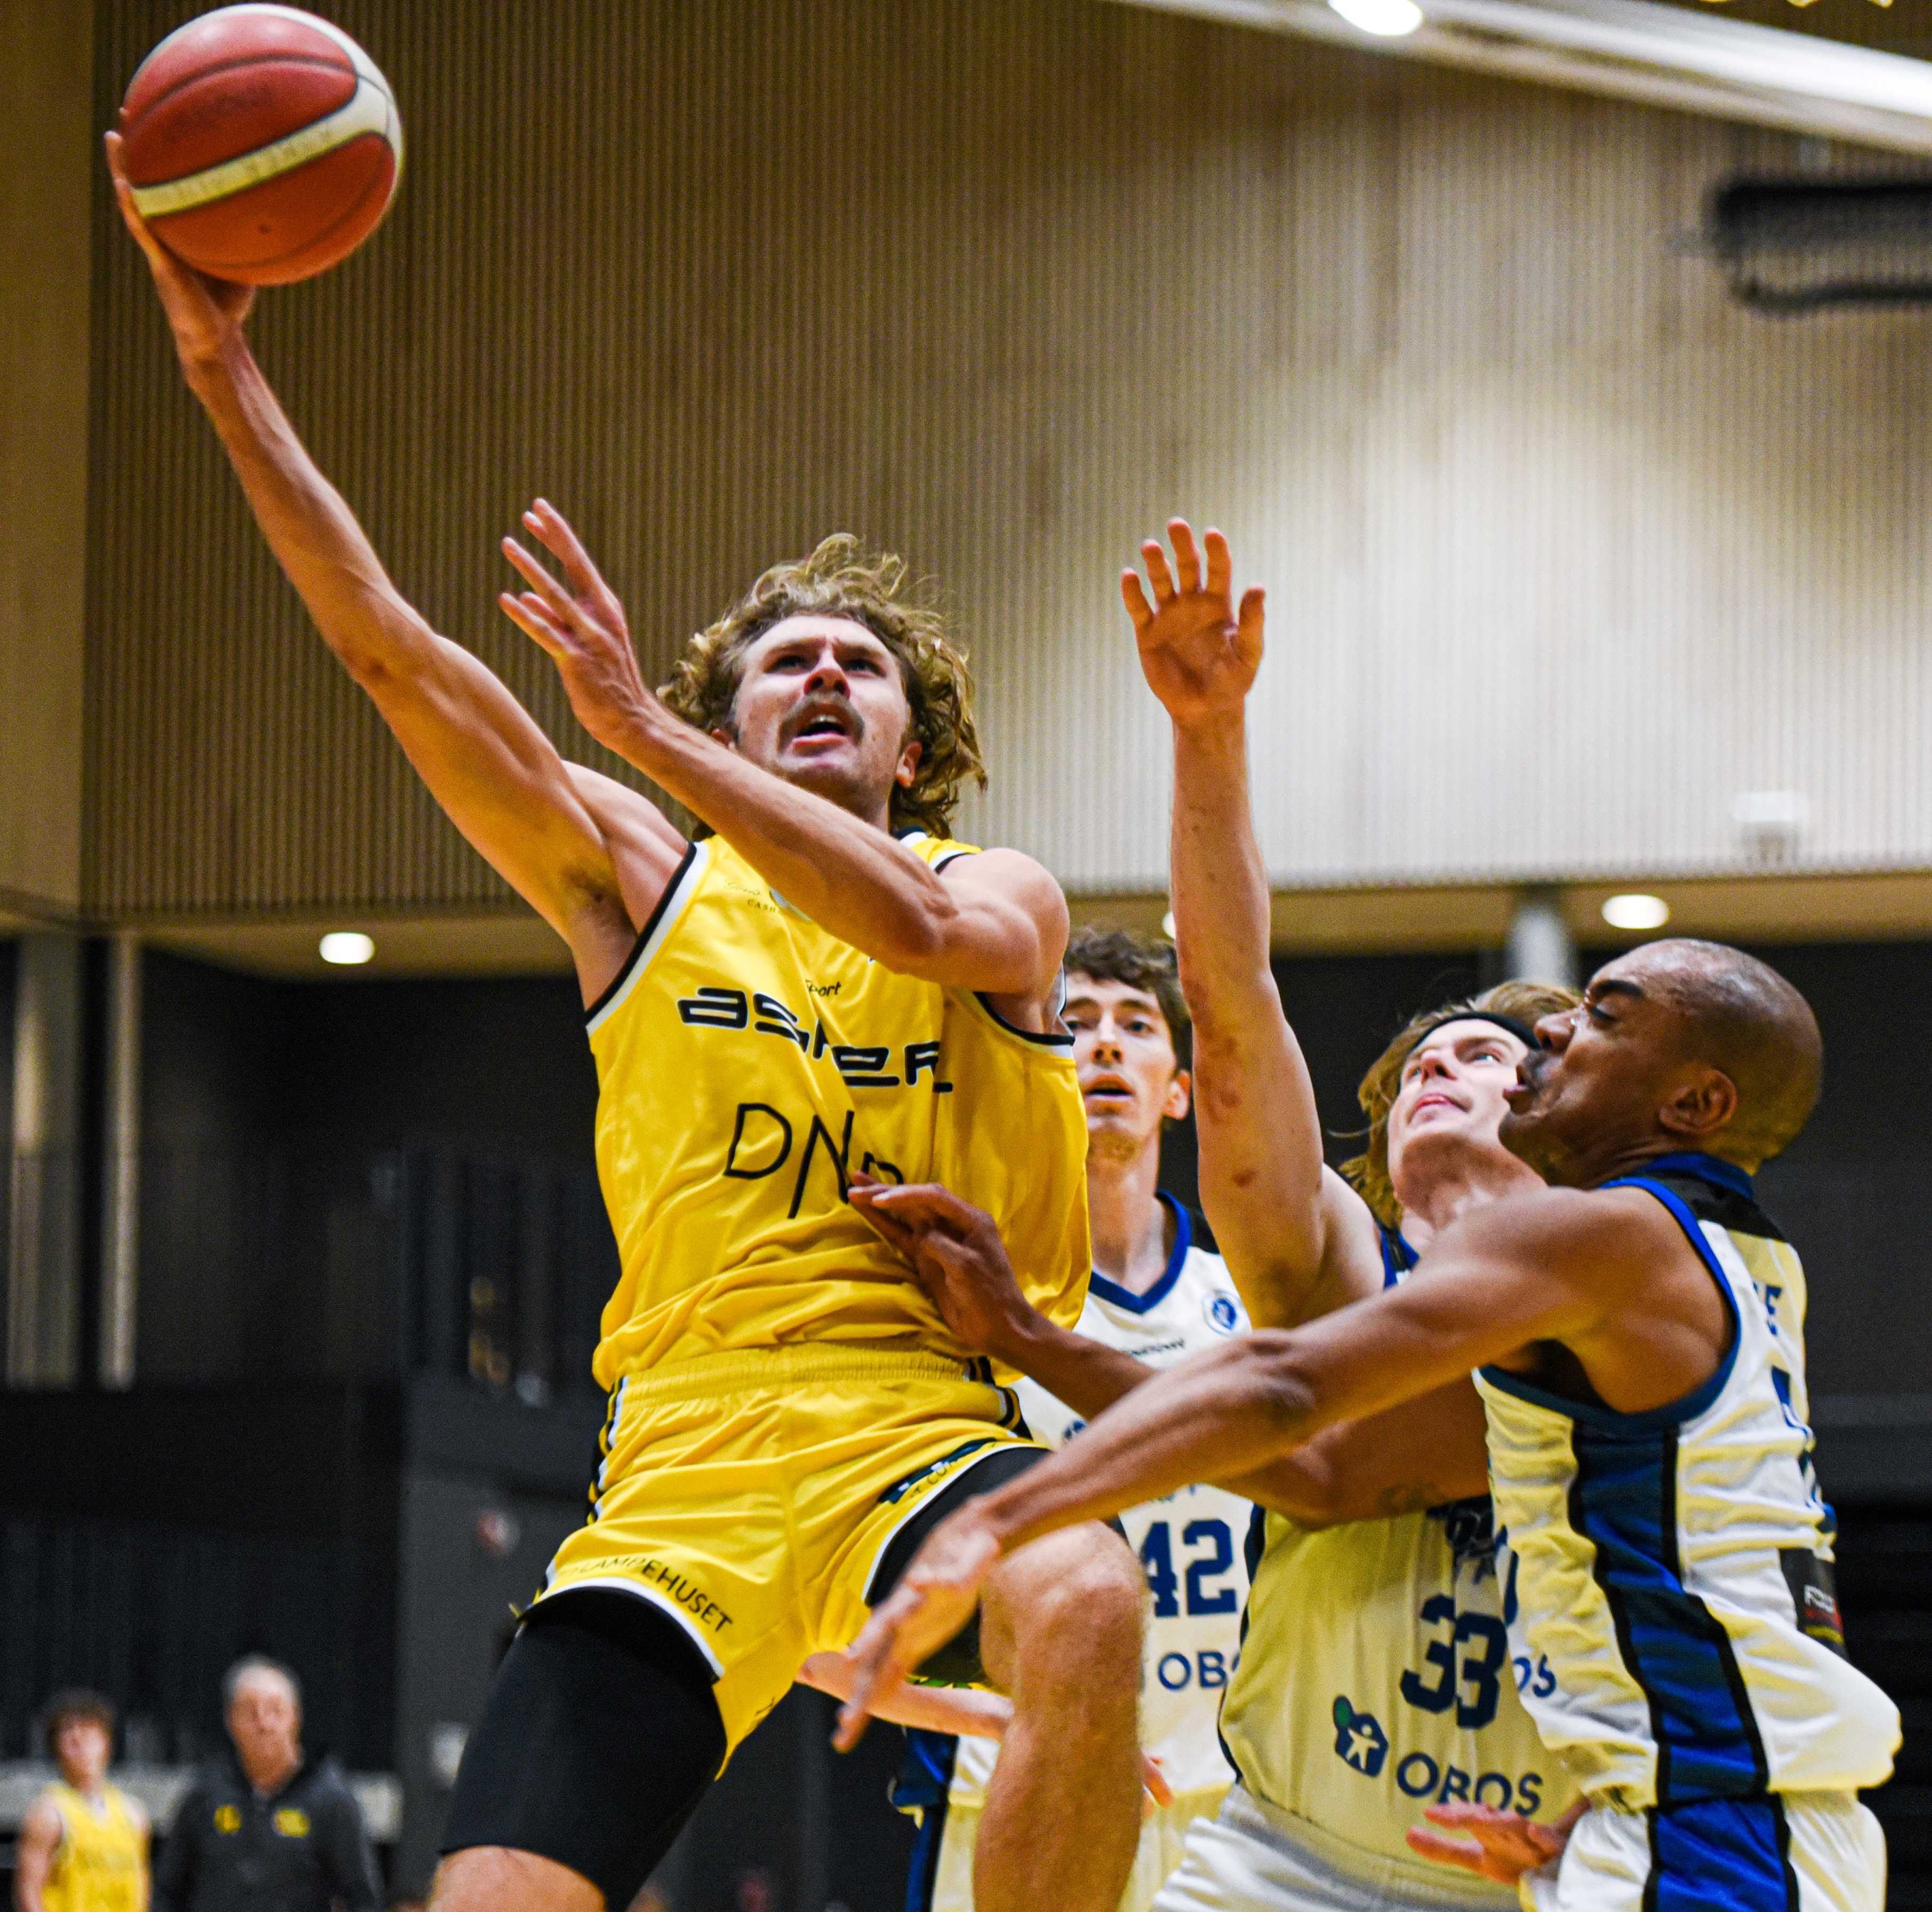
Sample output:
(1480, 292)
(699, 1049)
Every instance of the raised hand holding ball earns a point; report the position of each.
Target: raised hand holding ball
(262, 144)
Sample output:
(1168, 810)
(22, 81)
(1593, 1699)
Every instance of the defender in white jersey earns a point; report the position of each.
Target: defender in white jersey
(1647, 1439)
(1158, 1294)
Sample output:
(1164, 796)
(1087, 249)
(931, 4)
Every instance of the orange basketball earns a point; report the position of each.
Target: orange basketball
(262, 143)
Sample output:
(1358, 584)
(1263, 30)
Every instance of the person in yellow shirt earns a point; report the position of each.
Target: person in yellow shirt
(83, 1845)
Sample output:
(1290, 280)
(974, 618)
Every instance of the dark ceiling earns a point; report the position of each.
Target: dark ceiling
(1904, 27)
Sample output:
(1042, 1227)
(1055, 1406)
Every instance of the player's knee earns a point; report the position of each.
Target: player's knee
(1080, 1596)
(501, 1879)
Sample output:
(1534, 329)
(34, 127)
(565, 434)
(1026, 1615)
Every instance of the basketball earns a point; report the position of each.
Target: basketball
(262, 144)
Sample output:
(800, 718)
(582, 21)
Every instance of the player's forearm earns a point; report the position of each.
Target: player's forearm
(314, 534)
(1220, 886)
(1259, 1131)
(1220, 1416)
(955, 1709)
(1089, 1377)
(852, 880)
(1423, 1454)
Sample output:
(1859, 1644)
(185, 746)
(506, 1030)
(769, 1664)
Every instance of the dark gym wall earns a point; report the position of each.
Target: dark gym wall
(267, 1108)
(254, 1086)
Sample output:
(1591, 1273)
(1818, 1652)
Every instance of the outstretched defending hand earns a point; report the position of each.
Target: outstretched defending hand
(932, 1601)
(582, 627)
(204, 313)
(1508, 1845)
(1197, 653)
(955, 1251)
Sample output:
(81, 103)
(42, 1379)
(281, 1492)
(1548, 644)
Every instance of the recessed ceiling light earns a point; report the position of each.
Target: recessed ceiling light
(1388, 19)
(1636, 911)
(347, 946)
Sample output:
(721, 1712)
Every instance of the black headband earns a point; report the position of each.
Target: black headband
(1515, 1025)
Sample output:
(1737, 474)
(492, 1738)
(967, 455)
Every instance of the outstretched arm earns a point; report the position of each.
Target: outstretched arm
(497, 776)
(1555, 1266)
(1420, 1454)
(996, 921)
(1297, 1241)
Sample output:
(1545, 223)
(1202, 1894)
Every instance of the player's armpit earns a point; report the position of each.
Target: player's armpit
(646, 847)
(1423, 1454)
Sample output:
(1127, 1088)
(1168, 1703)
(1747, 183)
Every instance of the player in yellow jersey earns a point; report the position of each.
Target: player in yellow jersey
(83, 1845)
(824, 986)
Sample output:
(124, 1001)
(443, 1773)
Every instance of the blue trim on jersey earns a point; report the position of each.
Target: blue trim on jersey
(1672, 1414)
(1708, 1168)
(924, 1786)
(1253, 1546)
(1721, 1855)
(1116, 1296)
(1624, 1501)
(1398, 1257)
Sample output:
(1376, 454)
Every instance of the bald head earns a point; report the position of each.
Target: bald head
(1678, 1046)
(1740, 1016)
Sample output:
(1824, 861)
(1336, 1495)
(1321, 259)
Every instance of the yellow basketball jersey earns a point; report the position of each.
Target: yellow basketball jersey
(748, 1064)
(98, 1865)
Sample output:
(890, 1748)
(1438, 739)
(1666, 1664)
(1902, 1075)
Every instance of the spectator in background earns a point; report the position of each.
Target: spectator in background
(83, 1845)
(265, 1830)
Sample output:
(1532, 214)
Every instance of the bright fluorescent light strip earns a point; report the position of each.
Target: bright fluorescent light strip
(347, 947)
(1634, 49)
(1635, 911)
(1388, 19)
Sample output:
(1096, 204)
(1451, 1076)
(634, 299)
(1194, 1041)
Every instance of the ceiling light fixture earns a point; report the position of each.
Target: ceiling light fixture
(1388, 19)
(346, 946)
(1635, 910)
(1637, 50)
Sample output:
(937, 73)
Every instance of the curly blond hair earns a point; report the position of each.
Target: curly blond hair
(839, 580)
(1527, 1002)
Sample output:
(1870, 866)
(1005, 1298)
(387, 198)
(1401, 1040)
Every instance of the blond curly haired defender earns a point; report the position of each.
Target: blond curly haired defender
(839, 580)
(1369, 1171)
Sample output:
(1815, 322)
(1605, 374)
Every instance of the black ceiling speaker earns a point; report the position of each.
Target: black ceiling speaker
(1800, 245)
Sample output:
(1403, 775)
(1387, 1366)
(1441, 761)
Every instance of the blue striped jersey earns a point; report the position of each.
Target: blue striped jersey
(1673, 1569)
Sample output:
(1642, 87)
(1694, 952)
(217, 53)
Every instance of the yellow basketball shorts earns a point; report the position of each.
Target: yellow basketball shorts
(752, 1495)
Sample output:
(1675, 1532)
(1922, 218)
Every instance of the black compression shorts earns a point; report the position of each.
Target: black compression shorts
(601, 1735)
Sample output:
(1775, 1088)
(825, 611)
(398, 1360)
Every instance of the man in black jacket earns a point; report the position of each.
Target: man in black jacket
(265, 1830)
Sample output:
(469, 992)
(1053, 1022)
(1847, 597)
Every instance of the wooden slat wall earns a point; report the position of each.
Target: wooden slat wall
(46, 176)
(1563, 551)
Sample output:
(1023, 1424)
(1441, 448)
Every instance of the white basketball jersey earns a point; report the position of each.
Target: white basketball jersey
(1675, 1568)
(1190, 1543)
(1376, 1677)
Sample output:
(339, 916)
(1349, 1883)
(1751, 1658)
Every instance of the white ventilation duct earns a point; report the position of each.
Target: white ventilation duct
(1635, 49)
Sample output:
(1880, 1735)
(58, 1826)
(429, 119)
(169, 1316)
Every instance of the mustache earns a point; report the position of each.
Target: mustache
(824, 706)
